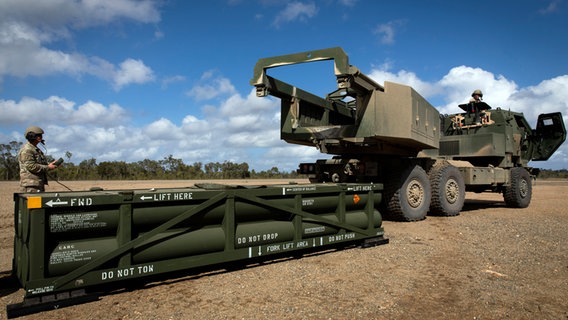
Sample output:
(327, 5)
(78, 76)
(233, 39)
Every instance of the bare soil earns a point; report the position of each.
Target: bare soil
(490, 262)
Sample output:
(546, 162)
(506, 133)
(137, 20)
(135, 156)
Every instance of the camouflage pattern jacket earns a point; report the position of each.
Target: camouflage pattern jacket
(33, 166)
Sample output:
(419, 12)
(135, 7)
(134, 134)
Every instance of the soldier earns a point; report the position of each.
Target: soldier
(33, 164)
(476, 96)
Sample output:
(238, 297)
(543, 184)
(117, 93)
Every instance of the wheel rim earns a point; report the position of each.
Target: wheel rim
(452, 191)
(415, 193)
(335, 178)
(523, 188)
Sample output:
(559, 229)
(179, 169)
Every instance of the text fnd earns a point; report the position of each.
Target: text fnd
(80, 202)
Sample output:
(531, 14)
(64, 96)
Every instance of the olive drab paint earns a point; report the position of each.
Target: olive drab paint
(390, 134)
(72, 240)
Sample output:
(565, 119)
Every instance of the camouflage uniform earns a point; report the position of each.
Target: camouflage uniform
(33, 169)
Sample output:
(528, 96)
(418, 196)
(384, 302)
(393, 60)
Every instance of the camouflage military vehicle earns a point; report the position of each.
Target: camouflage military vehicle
(390, 134)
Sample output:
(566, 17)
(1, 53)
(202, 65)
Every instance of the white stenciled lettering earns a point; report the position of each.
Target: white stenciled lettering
(299, 189)
(288, 245)
(258, 238)
(342, 237)
(314, 230)
(80, 202)
(127, 272)
(308, 202)
(269, 236)
(124, 272)
(40, 290)
(162, 196)
(183, 196)
(361, 188)
(302, 244)
(146, 269)
(273, 248)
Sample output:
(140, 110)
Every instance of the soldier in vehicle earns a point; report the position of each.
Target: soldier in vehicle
(477, 110)
(476, 96)
(33, 164)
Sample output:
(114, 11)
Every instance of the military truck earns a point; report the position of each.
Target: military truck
(390, 134)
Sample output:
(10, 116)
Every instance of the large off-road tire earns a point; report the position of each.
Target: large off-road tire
(519, 193)
(448, 190)
(407, 194)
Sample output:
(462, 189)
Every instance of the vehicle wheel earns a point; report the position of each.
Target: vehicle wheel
(448, 190)
(519, 193)
(336, 177)
(407, 196)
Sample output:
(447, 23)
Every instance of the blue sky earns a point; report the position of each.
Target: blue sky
(131, 80)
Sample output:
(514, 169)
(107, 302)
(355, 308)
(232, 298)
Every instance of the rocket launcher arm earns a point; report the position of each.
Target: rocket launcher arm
(348, 77)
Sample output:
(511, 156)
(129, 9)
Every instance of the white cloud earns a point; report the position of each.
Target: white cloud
(295, 11)
(162, 129)
(172, 79)
(455, 87)
(387, 31)
(460, 82)
(211, 86)
(382, 74)
(546, 97)
(27, 27)
(233, 128)
(59, 16)
(132, 71)
(59, 110)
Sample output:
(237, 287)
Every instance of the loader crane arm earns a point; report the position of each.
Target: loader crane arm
(348, 77)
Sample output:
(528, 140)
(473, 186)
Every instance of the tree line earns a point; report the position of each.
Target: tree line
(169, 168)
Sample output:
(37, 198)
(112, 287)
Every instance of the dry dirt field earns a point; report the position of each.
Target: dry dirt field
(490, 262)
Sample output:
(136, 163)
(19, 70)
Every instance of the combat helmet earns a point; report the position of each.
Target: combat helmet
(32, 132)
(477, 91)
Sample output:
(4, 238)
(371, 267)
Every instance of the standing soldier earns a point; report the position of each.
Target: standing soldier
(33, 164)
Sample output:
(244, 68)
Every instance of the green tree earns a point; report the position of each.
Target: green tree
(87, 169)
(9, 165)
(150, 169)
(174, 168)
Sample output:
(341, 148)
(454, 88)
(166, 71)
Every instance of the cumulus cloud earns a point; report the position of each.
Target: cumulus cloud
(460, 82)
(455, 87)
(548, 96)
(230, 131)
(132, 71)
(59, 17)
(59, 110)
(211, 86)
(382, 74)
(295, 11)
(27, 28)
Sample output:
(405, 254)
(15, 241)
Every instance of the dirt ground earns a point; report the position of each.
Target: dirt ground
(490, 262)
